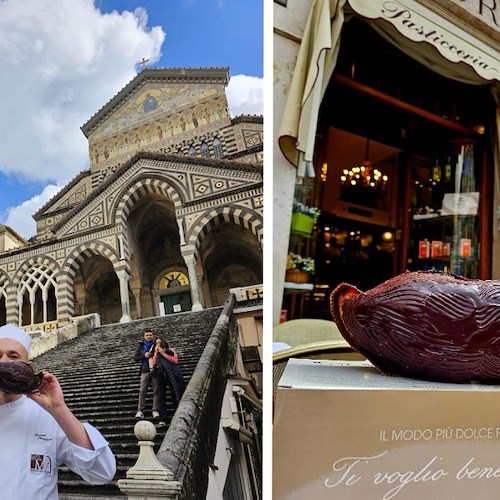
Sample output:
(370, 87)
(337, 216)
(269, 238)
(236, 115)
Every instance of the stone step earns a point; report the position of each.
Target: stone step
(120, 437)
(100, 381)
(106, 406)
(126, 429)
(73, 487)
(98, 416)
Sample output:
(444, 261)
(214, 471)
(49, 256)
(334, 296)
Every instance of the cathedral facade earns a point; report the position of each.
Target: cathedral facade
(167, 218)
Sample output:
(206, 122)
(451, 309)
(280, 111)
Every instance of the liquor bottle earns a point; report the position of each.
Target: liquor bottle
(447, 170)
(436, 173)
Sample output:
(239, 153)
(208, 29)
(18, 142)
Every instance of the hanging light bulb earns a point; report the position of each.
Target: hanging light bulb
(364, 177)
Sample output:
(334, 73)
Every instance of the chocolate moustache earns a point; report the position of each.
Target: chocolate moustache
(17, 377)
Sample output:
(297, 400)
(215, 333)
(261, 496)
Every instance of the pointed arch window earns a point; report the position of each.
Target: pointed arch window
(192, 150)
(217, 148)
(36, 296)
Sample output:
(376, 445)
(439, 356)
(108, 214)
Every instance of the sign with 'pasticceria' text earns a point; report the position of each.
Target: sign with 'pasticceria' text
(425, 26)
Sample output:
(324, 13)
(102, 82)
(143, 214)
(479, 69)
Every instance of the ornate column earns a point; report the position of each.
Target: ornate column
(138, 305)
(123, 276)
(45, 298)
(190, 260)
(32, 307)
(199, 281)
(181, 232)
(20, 300)
(83, 307)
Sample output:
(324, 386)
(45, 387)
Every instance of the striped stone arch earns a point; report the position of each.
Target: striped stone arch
(66, 300)
(140, 187)
(85, 250)
(232, 214)
(4, 284)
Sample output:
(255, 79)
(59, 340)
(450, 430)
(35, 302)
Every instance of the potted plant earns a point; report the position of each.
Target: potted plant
(303, 218)
(299, 269)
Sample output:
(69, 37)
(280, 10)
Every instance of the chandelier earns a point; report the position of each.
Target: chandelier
(364, 178)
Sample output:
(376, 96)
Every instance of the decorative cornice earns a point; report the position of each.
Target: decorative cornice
(194, 203)
(143, 155)
(38, 214)
(217, 75)
(247, 119)
(54, 243)
(245, 152)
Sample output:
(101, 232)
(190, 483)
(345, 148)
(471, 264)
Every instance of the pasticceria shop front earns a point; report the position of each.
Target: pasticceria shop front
(390, 125)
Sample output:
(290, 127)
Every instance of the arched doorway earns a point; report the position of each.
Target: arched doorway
(231, 257)
(154, 243)
(97, 290)
(174, 292)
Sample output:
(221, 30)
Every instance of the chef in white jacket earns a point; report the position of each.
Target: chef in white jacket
(38, 432)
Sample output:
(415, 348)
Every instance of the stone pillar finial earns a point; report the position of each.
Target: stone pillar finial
(148, 478)
(147, 463)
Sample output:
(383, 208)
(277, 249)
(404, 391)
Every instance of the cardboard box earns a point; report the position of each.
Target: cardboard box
(343, 431)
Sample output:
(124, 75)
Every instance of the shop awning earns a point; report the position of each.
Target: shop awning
(423, 25)
(429, 35)
(315, 63)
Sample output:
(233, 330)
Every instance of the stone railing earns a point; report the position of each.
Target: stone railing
(190, 442)
(48, 326)
(43, 341)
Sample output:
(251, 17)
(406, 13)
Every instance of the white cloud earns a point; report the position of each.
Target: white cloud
(60, 61)
(245, 95)
(18, 218)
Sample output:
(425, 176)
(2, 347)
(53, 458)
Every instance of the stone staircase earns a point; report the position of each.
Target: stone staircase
(101, 384)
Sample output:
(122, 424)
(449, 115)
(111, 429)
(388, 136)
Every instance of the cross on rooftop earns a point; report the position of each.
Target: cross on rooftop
(143, 63)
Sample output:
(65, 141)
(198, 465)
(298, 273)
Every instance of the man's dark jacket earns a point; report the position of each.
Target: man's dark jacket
(140, 358)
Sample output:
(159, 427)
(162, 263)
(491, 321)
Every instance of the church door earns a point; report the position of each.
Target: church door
(177, 302)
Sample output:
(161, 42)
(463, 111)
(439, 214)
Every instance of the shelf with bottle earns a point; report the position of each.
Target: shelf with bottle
(451, 177)
(454, 253)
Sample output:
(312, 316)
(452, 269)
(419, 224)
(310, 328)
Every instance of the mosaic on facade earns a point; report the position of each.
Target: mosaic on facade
(167, 217)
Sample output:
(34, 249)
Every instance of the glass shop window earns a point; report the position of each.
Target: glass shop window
(445, 202)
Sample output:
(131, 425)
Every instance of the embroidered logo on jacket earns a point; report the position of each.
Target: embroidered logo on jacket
(40, 464)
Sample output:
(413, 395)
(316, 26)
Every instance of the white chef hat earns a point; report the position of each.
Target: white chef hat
(13, 332)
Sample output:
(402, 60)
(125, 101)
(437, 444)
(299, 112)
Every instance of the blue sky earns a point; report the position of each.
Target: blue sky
(213, 33)
(62, 60)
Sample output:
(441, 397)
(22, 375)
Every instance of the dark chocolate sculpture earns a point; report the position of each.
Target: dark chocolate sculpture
(427, 325)
(17, 377)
